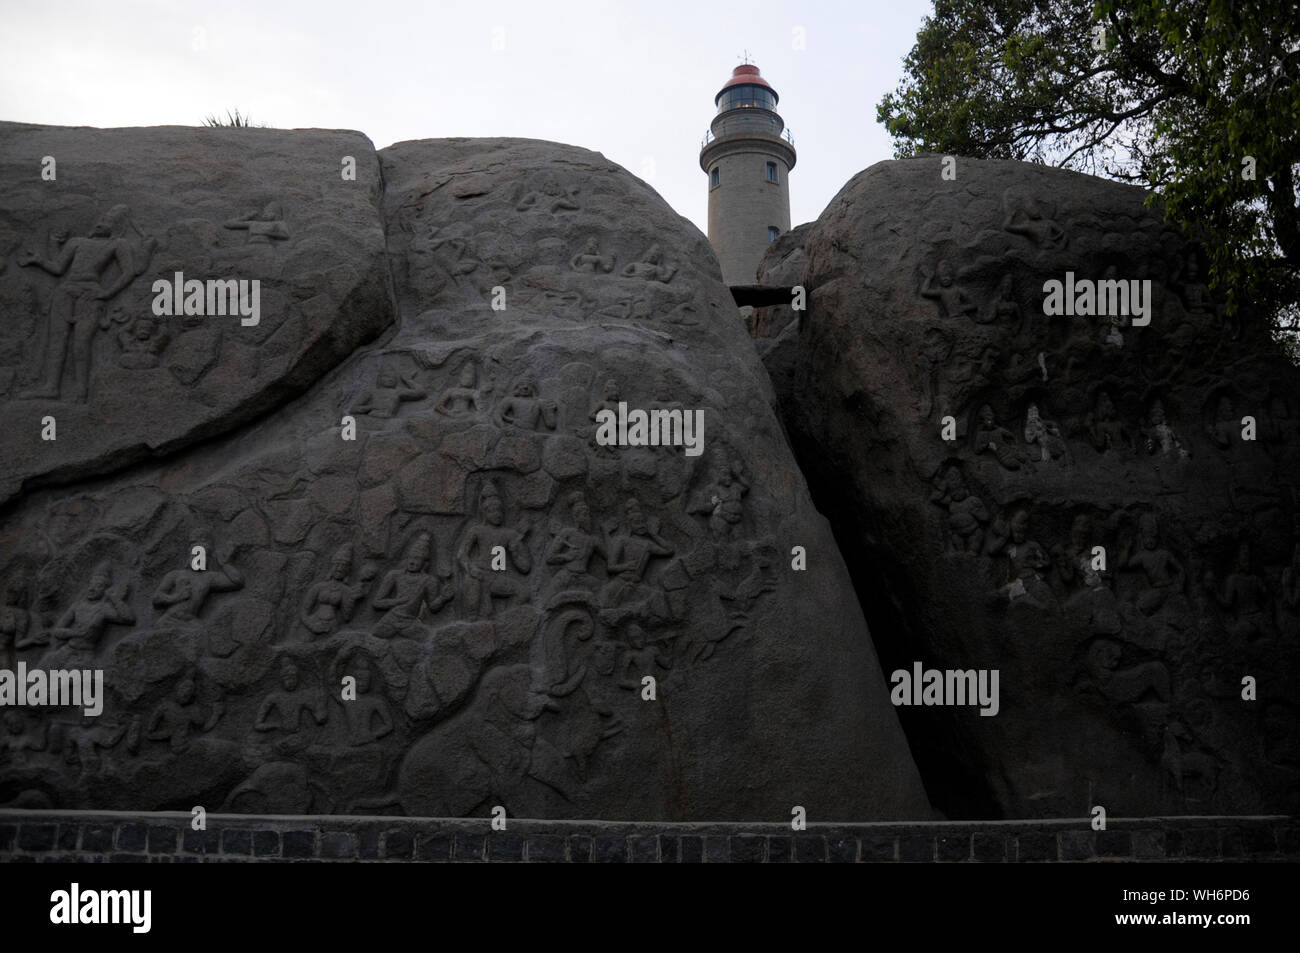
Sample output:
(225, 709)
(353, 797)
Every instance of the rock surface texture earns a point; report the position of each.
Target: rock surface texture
(1103, 511)
(427, 585)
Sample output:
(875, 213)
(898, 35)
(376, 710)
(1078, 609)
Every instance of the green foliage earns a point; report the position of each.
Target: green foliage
(1176, 100)
(234, 120)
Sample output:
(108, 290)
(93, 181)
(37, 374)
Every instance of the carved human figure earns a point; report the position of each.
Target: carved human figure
(23, 734)
(590, 259)
(1113, 335)
(1021, 216)
(405, 592)
(525, 409)
(182, 592)
(15, 622)
(142, 343)
(609, 401)
(1044, 433)
(966, 513)
(264, 226)
(332, 601)
(367, 715)
(723, 499)
(1197, 299)
(83, 624)
(461, 400)
(1164, 574)
(630, 553)
(82, 744)
(77, 305)
(573, 547)
(1245, 595)
(1123, 686)
(1074, 561)
(995, 440)
(1006, 310)
(651, 267)
(1105, 429)
(1226, 429)
(552, 196)
(1026, 560)
(1160, 437)
(389, 392)
(176, 717)
(642, 658)
(948, 293)
(284, 707)
(475, 555)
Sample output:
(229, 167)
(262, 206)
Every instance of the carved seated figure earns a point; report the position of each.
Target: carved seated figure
(332, 601)
(182, 592)
(1021, 216)
(405, 592)
(993, 439)
(1245, 595)
(83, 624)
(142, 343)
(461, 400)
(283, 708)
(552, 196)
(385, 400)
(630, 553)
(1045, 434)
(723, 500)
(952, 298)
(966, 514)
(178, 716)
(1160, 437)
(1105, 428)
(590, 259)
(263, 227)
(1026, 561)
(23, 734)
(573, 547)
(652, 268)
(525, 409)
(1164, 574)
(482, 581)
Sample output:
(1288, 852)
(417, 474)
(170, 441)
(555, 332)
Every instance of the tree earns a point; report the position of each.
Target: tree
(1198, 101)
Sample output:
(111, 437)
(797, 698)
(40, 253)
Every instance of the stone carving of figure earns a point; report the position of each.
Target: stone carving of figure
(142, 343)
(1160, 437)
(83, 624)
(950, 296)
(1163, 572)
(404, 592)
(15, 621)
(83, 744)
(723, 499)
(77, 306)
(1244, 595)
(652, 268)
(1226, 429)
(23, 734)
(966, 513)
(640, 659)
(385, 400)
(1196, 294)
(590, 259)
(183, 592)
(1074, 562)
(1006, 310)
(283, 708)
(264, 226)
(1021, 216)
(367, 715)
(461, 400)
(573, 547)
(1122, 686)
(551, 195)
(1025, 558)
(525, 409)
(176, 717)
(1045, 434)
(995, 440)
(1114, 336)
(1105, 429)
(475, 555)
(332, 601)
(630, 553)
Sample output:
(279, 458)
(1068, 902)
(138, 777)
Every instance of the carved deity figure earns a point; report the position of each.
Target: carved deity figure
(23, 734)
(264, 226)
(723, 499)
(15, 622)
(1160, 437)
(1245, 595)
(183, 592)
(332, 601)
(1044, 433)
(1164, 574)
(475, 556)
(1021, 216)
(405, 592)
(390, 390)
(1197, 299)
(966, 513)
(142, 343)
(995, 440)
(83, 624)
(178, 716)
(525, 409)
(1026, 560)
(630, 553)
(461, 400)
(1105, 429)
(1226, 429)
(573, 547)
(367, 715)
(651, 267)
(77, 305)
(1006, 309)
(590, 259)
(950, 296)
(284, 707)
(552, 196)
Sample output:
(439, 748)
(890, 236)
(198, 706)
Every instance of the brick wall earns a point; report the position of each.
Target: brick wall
(166, 837)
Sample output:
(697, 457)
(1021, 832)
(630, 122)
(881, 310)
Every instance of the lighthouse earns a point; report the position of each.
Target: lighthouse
(747, 155)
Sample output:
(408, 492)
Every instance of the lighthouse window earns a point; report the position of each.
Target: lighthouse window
(772, 233)
(713, 178)
(771, 172)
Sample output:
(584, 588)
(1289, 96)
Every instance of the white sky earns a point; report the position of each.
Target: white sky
(633, 80)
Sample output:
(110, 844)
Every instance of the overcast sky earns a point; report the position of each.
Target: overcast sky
(634, 81)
